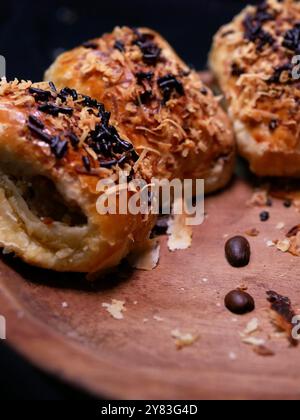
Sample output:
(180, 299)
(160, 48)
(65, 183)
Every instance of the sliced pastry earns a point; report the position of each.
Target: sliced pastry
(55, 147)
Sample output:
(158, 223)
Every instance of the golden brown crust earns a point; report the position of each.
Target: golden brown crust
(161, 105)
(49, 135)
(252, 61)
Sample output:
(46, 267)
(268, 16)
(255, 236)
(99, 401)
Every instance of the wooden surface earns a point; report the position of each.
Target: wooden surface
(135, 359)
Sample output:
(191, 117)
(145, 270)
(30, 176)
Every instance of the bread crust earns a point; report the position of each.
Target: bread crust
(177, 121)
(29, 155)
(252, 60)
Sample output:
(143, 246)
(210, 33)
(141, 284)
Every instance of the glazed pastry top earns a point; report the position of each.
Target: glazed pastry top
(62, 128)
(159, 102)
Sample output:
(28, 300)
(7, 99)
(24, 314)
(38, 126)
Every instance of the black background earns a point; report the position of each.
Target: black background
(31, 35)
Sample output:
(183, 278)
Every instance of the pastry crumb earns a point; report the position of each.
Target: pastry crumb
(232, 356)
(280, 226)
(263, 351)
(259, 198)
(270, 244)
(252, 232)
(283, 245)
(115, 309)
(254, 341)
(251, 327)
(146, 257)
(183, 339)
(180, 235)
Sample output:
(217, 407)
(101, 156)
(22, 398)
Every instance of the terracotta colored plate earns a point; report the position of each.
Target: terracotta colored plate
(135, 358)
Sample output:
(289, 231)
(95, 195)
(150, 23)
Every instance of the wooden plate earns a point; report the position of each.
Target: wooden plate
(136, 357)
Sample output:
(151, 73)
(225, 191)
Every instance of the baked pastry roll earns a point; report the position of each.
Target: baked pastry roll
(252, 59)
(158, 101)
(55, 146)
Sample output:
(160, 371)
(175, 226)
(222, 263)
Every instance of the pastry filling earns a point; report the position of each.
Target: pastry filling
(43, 200)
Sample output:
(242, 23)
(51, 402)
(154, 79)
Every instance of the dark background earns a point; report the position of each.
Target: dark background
(32, 33)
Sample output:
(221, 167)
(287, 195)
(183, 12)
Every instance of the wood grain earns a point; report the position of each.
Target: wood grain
(135, 358)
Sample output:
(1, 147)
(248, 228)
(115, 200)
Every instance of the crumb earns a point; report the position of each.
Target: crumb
(158, 318)
(270, 244)
(146, 257)
(115, 309)
(283, 245)
(254, 341)
(263, 351)
(65, 305)
(252, 232)
(232, 356)
(259, 199)
(180, 235)
(242, 287)
(205, 280)
(251, 327)
(183, 340)
(280, 226)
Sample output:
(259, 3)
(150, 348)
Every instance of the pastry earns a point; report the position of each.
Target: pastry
(51, 160)
(252, 59)
(160, 103)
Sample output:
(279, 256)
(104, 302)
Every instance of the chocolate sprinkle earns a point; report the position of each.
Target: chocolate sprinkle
(105, 140)
(204, 91)
(108, 164)
(86, 163)
(90, 45)
(142, 76)
(54, 110)
(276, 77)
(52, 86)
(150, 50)
(88, 101)
(236, 70)
(74, 139)
(264, 216)
(64, 93)
(35, 121)
(119, 45)
(39, 94)
(291, 39)
(59, 147)
(273, 125)
(39, 133)
(168, 85)
(254, 31)
(146, 97)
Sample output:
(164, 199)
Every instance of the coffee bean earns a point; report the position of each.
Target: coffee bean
(239, 302)
(238, 251)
